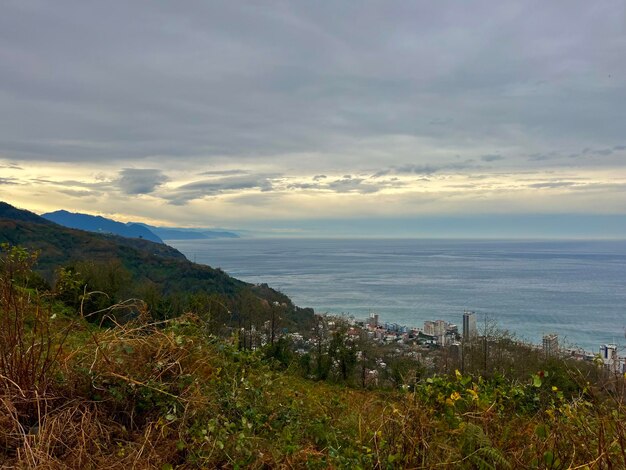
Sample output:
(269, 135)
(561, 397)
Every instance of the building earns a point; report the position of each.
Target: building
(469, 326)
(373, 320)
(429, 328)
(610, 359)
(440, 327)
(550, 345)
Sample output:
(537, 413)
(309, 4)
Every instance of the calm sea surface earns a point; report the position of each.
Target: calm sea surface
(573, 288)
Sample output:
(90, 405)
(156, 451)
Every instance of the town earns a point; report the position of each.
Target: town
(437, 346)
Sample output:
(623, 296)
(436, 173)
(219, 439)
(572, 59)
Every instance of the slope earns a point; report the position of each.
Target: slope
(145, 260)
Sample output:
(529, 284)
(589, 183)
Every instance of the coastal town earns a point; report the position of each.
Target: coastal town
(438, 337)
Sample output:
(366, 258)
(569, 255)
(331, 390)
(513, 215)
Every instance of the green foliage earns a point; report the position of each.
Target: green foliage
(69, 287)
(342, 354)
(280, 352)
(94, 272)
(478, 451)
(178, 396)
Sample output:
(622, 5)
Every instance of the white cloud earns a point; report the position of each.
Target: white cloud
(236, 109)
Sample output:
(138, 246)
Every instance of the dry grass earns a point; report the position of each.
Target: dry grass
(103, 421)
(92, 421)
(50, 416)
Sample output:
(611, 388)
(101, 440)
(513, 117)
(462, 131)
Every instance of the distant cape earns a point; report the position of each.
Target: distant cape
(175, 233)
(99, 224)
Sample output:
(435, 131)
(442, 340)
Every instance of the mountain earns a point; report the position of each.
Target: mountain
(100, 224)
(7, 211)
(59, 245)
(151, 271)
(144, 259)
(176, 233)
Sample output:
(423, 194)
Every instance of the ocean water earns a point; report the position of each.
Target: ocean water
(576, 289)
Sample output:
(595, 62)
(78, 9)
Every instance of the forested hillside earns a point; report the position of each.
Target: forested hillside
(124, 268)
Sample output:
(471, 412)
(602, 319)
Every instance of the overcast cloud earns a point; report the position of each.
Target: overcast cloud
(140, 181)
(200, 107)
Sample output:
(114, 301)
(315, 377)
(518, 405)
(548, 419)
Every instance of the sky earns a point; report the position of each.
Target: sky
(394, 118)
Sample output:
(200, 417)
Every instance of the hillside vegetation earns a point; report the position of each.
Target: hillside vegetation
(171, 394)
(201, 374)
(122, 268)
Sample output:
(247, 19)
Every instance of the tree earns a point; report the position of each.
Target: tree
(342, 351)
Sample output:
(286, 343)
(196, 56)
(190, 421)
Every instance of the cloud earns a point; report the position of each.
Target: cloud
(226, 184)
(427, 170)
(553, 184)
(417, 169)
(7, 181)
(78, 193)
(491, 158)
(200, 90)
(134, 181)
(347, 184)
(212, 187)
(264, 200)
(588, 152)
(408, 169)
(11, 166)
(326, 101)
(606, 188)
(101, 184)
(223, 172)
(540, 157)
(306, 186)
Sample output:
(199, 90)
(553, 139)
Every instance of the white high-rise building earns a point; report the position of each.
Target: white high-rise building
(608, 354)
(550, 345)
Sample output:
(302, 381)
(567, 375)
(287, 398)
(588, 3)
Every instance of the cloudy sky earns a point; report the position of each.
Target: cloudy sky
(304, 118)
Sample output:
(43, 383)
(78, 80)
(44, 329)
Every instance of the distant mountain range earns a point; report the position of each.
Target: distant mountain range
(99, 224)
(96, 223)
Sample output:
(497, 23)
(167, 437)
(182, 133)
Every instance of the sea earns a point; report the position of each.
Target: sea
(576, 289)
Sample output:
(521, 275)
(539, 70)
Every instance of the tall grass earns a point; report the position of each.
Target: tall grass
(29, 349)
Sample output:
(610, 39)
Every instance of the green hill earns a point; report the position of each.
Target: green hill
(7, 211)
(131, 267)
